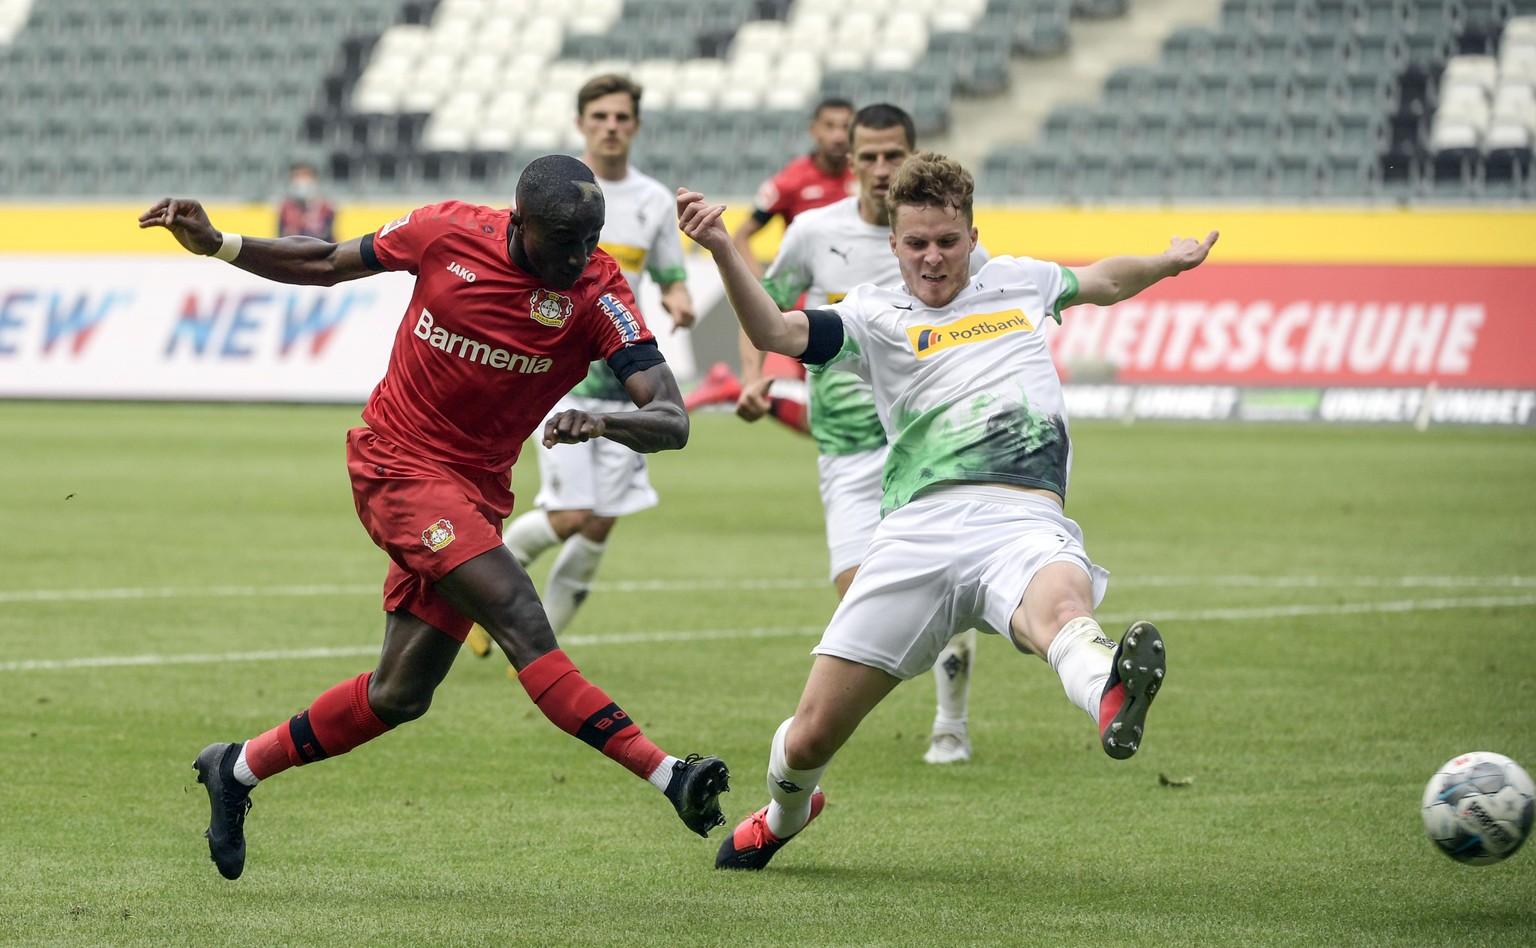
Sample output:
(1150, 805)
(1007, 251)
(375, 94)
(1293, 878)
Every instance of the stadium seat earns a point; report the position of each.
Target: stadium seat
(1254, 133)
(1247, 177)
(1296, 175)
(1351, 175)
(1507, 172)
(1094, 177)
(1143, 176)
(1196, 176)
(1455, 173)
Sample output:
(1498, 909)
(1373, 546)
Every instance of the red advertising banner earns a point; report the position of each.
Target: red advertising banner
(1281, 325)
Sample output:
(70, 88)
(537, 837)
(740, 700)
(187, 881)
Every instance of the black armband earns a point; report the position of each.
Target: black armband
(370, 259)
(826, 336)
(636, 358)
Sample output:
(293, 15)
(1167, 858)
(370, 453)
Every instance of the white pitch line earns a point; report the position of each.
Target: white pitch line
(706, 635)
(674, 586)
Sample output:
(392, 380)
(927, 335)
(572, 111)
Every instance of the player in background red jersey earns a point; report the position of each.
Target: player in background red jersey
(825, 176)
(508, 310)
(815, 180)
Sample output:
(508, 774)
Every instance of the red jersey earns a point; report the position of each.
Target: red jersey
(485, 349)
(798, 187)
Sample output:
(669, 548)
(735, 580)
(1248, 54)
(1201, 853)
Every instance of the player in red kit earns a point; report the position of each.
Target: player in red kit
(824, 176)
(508, 310)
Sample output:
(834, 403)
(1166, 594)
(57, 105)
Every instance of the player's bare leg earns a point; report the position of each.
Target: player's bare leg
(1113, 683)
(527, 536)
(837, 697)
(495, 591)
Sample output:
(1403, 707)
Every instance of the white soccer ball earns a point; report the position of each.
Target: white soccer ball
(1479, 807)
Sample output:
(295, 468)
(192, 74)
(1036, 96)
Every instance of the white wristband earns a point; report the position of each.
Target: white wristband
(230, 248)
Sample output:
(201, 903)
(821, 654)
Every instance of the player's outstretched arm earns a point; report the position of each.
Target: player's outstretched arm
(1119, 278)
(660, 422)
(770, 329)
(305, 261)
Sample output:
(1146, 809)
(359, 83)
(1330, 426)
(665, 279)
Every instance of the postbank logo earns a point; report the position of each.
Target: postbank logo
(549, 308)
(926, 340)
(438, 535)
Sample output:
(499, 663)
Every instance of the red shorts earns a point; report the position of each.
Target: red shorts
(429, 516)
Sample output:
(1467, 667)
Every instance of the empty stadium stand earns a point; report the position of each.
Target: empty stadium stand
(1303, 100)
(1278, 100)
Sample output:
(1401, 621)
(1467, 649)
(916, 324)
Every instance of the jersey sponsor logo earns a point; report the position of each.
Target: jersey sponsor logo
(476, 351)
(458, 270)
(926, 340)
(836, 297)
(395, 224)
(618, 314)
(549, 308)
(629, 259)
(439, 535)
(840, 253)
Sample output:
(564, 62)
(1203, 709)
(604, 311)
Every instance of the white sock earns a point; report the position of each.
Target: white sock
(662, 775)
(243, 770)
(952, 680)
(791, 790)
(1082, 656)
(570, 579)
(529, 535)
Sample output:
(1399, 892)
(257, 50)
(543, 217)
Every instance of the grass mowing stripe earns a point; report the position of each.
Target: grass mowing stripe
(631, 638)
(672, 586)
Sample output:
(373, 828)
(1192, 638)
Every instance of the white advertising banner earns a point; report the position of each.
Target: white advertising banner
(167, 328)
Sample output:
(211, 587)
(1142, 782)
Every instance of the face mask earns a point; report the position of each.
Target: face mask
(302, 189)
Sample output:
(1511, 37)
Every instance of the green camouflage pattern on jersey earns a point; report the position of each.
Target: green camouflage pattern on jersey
(843, 416)
(980, 441)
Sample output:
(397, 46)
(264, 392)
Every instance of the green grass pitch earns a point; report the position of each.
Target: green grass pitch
(1345, 609)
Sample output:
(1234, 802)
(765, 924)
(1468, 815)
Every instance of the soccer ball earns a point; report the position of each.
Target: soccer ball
(1479, 807)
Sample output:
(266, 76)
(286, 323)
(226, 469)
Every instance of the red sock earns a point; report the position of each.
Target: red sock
(580, 708)
(791, 412)
(339, 720)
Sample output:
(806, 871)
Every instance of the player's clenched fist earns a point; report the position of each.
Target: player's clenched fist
(572, 427)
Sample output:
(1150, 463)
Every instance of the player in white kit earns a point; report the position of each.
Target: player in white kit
(585, 488)
(973, 531)
(824, 254)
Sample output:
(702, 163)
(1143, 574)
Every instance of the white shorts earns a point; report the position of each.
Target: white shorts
(954, 558)
(600, 475)
(850, 496)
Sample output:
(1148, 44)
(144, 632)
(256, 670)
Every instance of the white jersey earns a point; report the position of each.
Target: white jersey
(640, 233)
(825, 253)
(967, 393)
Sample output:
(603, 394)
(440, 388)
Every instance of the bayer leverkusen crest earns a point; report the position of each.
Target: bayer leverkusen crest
(438, 535)
(550, 308)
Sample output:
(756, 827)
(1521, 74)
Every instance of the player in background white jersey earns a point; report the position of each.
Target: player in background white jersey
(974, 531)
(585, 488)
(824, 254)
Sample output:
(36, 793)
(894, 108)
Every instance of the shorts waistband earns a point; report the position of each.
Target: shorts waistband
(988, 495)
